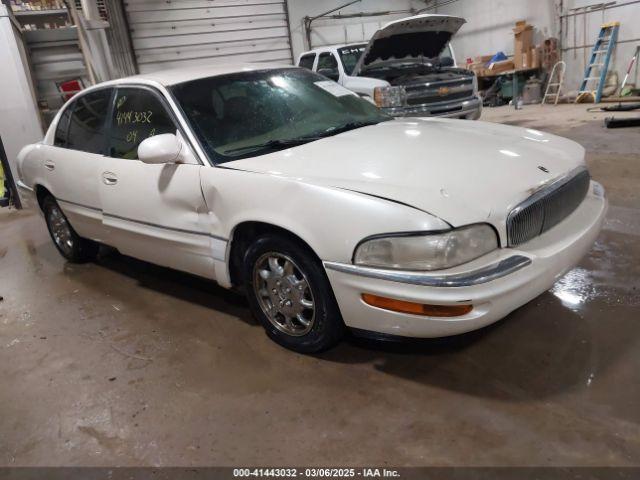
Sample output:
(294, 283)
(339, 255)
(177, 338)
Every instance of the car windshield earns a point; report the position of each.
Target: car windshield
(254, 113)
(350, 56)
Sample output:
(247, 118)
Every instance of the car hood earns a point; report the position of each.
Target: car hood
(462, 172)
(413, 37)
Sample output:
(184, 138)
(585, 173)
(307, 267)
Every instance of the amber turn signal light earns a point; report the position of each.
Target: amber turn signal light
(416, 308)
(377, 97)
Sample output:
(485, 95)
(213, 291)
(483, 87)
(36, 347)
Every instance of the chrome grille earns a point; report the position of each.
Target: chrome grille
(546, 208)
(439, 92)
(449, 97)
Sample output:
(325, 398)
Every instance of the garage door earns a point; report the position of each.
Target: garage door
(179, 33)
(333, 30)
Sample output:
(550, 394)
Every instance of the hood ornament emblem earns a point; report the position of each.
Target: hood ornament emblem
(544, 169)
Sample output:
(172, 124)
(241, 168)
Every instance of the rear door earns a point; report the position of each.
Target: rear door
(152, 212)
(72, 164)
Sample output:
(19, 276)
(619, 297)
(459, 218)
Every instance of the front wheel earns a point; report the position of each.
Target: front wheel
(72, 247)
(289, 293)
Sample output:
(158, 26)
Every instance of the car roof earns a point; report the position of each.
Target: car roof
(179, 75)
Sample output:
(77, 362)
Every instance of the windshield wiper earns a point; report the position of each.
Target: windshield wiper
(346, 127)
(273, 144)
(293, 142)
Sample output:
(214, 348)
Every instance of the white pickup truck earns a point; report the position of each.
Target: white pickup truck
(408, 68)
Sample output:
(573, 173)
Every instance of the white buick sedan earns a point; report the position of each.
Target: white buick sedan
(327, 213)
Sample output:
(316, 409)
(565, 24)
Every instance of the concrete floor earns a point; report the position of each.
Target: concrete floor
(125, 363)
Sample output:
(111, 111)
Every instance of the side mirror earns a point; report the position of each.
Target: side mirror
(446, 62)
(330, 73)
(163, 148)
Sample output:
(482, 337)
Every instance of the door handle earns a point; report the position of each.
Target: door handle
(109, 178)
(49, 165)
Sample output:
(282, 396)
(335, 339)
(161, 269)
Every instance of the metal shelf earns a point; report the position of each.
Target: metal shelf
(38, 13)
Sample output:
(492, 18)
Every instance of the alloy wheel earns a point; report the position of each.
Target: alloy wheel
(284, 294)
(60, 230)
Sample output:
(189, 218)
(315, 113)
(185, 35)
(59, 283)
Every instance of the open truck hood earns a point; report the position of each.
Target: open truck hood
(462, 172)
(412, 37)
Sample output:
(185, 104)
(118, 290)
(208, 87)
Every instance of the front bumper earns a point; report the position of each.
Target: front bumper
(470, 109)
(495, 284)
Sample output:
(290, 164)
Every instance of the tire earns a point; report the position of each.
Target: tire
(70, 245)
(274, 258)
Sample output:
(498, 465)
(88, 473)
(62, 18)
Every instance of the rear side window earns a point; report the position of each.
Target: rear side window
(327, 61)
(87, 125)
(60, 138)
(138, 114)
(306, 61)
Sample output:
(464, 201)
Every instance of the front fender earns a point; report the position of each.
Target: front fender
(364, 86)
(331, 221)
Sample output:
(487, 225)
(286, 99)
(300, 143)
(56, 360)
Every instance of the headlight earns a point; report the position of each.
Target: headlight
(389, 96)
(427, 251)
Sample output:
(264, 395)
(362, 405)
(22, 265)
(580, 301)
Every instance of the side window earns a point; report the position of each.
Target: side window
(327, 61)
(306, 61)
(87, 124)
(60, 138)
(138, 114)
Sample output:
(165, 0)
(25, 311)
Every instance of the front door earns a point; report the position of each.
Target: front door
(328, 65)
(153, 212)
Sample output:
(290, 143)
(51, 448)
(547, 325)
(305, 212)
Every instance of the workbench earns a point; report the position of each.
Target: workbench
(518, 79)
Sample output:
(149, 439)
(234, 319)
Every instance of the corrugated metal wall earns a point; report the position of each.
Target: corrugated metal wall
(119, 39)
(55, 57)
(350, 24)
(178, 33)
(333, 31)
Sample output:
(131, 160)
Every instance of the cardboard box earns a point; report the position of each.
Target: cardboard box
(483, 59)
(479, 69)
(550, 54)
(536, 57)
(518, 60)
(524, 60)
(522, 44)
(502, 66)
(520, 25)
(550, 44)
(527, 60)
(523, 39)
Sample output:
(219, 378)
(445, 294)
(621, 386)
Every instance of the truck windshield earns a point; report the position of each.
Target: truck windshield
(447, 53)
(254, 113)
(350, 56)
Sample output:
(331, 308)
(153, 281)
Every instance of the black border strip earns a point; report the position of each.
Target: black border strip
(329, 472)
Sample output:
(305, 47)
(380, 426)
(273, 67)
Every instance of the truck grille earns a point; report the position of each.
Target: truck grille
(438, 92)
(546, 208)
